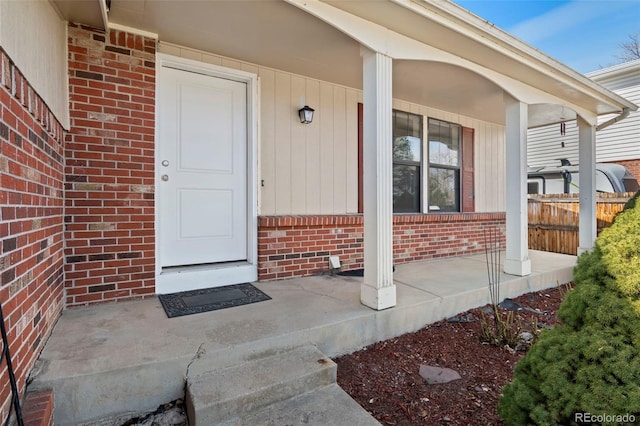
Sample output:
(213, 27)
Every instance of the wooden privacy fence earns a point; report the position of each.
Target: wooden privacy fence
(553, 219)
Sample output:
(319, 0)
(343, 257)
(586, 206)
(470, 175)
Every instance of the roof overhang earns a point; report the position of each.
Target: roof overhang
(614, 71)
(444, 56)
(449, 28)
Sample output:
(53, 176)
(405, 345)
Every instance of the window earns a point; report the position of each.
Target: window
(450, 171)
(445, 155)
(407, 162)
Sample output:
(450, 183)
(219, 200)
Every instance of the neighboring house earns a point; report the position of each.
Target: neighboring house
(156, 146)
(617, 143)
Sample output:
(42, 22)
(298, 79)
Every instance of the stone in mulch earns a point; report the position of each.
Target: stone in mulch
(525, 340)
(464, 318)
(510, 305)
(434, 375)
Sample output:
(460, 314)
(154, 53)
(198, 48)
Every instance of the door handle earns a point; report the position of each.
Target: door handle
(165, 177)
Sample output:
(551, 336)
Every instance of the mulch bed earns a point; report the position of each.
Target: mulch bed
(384, 379)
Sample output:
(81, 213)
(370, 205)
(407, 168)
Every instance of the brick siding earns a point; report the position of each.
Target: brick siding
(38, 408)
(109, 174)
(295, 246)
(31, 222)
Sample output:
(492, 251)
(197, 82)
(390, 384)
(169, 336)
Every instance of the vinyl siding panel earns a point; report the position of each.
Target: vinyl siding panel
(620, 82)
(282, 144)
(298, 152)
(313, 148)
(490, 173)
(35, 38)
(341, 142)
(353, 97)
(312, 169)
(545, 145)
(621, 141)
(618, 142)
(325, 121)
(268, 155)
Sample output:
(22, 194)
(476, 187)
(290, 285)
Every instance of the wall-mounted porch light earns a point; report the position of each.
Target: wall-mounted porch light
(306, 114)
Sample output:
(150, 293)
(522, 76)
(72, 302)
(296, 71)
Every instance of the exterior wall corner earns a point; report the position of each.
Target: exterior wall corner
(109, 198)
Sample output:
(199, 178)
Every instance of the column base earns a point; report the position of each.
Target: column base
(517, 267)
(378, 298)
(584, 249)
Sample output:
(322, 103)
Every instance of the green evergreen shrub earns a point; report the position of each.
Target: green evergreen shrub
(632, 201)
(590, 364)
(620, 245)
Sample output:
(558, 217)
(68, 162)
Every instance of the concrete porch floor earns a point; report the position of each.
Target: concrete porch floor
(110, 359)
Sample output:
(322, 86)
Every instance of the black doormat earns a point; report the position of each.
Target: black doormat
(210, 299)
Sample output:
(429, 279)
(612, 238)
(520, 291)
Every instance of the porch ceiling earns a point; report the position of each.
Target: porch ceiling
(277, 34)
(449, 88)
(267, 32)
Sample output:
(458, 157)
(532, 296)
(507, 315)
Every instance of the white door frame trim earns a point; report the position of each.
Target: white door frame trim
(192, 278)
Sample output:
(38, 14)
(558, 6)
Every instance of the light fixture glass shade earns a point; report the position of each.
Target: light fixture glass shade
(306, 114)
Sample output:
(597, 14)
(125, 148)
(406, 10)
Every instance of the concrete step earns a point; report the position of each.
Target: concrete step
(328, 405)
(219, 395)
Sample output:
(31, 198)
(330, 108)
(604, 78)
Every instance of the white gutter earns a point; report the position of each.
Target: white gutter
(624, 114)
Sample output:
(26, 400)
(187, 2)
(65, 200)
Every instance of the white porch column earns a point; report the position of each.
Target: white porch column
(378, 291)
(587, 163)
(517, 260)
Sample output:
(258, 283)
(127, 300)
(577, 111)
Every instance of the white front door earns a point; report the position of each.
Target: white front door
(202, 157)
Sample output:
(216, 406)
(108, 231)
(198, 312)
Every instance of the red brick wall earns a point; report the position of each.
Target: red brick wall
(291, 246)
(31, 222)
(38, 408)
(109, 172)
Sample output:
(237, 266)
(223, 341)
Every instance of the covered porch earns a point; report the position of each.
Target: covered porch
(431, 59)
(106, 75)
(105, 360)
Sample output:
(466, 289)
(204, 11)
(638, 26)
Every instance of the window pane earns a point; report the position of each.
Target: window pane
(405, 124)
(407, 136)
(444, 143)
(407, 160)
(443, 153)
(444, 190)
(406, 188)
(407, 148)
(455, 137)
